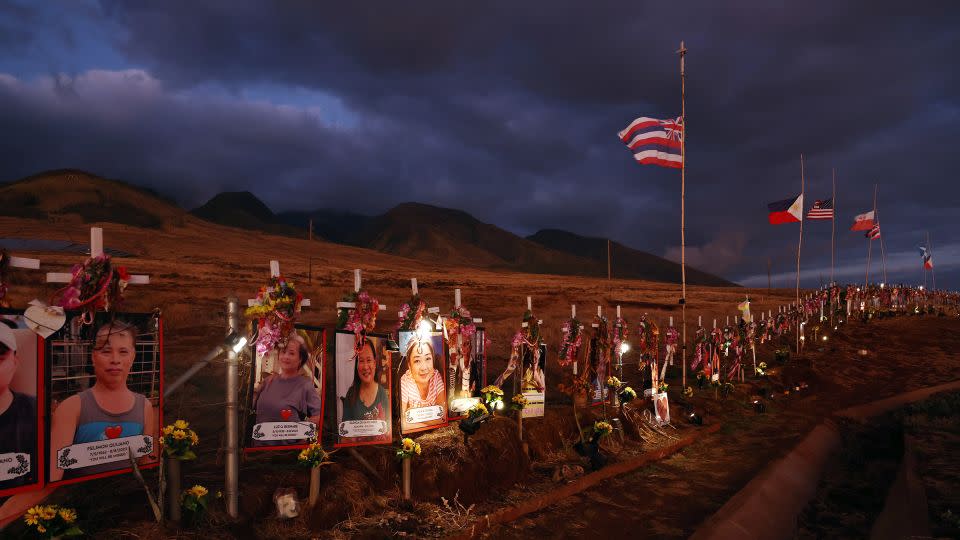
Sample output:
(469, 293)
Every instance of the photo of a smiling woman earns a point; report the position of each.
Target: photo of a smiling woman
(288, 395)
(423, 391)
(107, 410)
(363, 390)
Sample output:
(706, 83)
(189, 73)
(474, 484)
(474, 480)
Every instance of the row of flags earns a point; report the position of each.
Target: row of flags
(660, 142)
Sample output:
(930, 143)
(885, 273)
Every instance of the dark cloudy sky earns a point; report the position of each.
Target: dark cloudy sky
(509, 110)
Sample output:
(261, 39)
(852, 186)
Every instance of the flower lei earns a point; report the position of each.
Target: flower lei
(411, 313)
(672, 338)
(4, 267)
(702, 341)
(571, 342)
(361, 318)
(459, 322)
(276, 308)
(620, 333)
(96, 284)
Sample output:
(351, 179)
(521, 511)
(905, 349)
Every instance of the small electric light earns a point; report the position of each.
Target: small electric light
(824, 338)
(240, 344)
(424, 327)
(624, 348)
(803, 338)
(499, 405)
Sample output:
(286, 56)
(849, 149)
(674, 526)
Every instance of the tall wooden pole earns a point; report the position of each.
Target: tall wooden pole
(768, 274)
(683, 193)
(799, 246)
(833, 226)
(609, 272)
(870, 240)
(883, 251)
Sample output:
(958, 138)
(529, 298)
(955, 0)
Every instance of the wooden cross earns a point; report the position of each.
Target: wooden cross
(530, 309)
(96, 250)
(275, 272)
(356, 288)
(432, 310)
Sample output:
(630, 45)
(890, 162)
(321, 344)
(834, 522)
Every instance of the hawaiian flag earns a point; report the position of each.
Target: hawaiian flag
(821, 210)
(873, 233)
(655, 142)
(926, 257)
(863, 222)
(786, 211)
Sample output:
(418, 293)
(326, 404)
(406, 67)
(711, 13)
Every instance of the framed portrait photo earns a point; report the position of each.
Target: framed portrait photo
(21, 405)
(286, 394)
(423, 389)
(363, 366)
(104, 395)
(466, 374)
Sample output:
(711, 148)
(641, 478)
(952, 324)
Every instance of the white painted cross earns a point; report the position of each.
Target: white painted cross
(356, 288)
(23, 262)
(416, 291)
(96, 250)
(275, 272)
(456, 303)
(530, 309)
(599, 314)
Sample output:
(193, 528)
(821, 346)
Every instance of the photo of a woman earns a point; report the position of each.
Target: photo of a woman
(466, 375)
(423, 392)
(363, 390)
(18, 406)
(288, 400)
(105, 411)
(533, 382)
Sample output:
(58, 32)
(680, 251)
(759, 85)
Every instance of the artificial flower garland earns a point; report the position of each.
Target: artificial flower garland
(362, 317)
(276, 309)
(411, 313)
(571, 342)
(620, 333)
(96, 284)
(459, 322)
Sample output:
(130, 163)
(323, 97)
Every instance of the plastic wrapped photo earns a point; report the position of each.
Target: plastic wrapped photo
(286, 401)
(20, 434)
(423, 391)
(363, 389)
(104, 395)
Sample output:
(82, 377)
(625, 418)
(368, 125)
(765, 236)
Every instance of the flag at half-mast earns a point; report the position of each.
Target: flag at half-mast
(786, 211)
(926, 257)
(863, 222)
(655, 142)
(873, 233)
(821, 209)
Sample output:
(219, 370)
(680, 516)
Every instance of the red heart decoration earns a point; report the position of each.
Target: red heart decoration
(112, 432)
(285, 414)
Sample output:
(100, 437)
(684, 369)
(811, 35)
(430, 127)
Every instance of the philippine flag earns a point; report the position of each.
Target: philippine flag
(863, 222)
(786, 211)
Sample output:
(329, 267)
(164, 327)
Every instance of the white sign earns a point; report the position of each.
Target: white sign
(14, 465)
(535, 403)
(424, 414)
(363, 428)
(81, 455)
(284, 431)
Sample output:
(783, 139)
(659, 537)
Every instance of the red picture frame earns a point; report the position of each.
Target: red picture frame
(40, 457)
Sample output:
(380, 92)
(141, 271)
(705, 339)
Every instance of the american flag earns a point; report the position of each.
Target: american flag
(873, 233)
(821, 210)
(655, 142)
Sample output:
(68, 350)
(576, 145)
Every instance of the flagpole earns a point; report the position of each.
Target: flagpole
(799, 246)
(683, 192)
(930, 253)
(833, 226)
(866, 283)
(883, 250)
